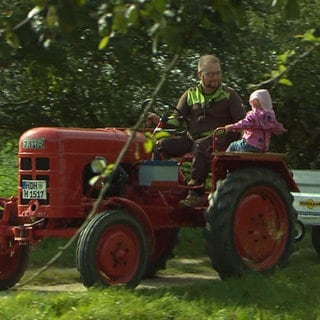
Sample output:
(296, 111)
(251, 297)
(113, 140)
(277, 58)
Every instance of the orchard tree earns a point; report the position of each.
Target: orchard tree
(92, 63)
(59, 76)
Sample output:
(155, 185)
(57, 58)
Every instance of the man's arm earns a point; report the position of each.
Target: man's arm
(182, 106)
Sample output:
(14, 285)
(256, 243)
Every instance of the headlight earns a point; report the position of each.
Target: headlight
(98, 165)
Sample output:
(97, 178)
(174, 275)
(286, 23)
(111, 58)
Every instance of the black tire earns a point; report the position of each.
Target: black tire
(13, 264)
(112, 250)
(315, 238)
(250, 223)
(299, 231)
(165, 241)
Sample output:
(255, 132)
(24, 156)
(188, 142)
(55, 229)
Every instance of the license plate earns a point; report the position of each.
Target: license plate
(34, 189)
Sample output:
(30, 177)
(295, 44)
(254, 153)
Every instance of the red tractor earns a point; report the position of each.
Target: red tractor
(248, 221)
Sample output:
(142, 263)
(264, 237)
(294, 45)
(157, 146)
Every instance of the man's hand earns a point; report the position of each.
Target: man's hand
(152, 119)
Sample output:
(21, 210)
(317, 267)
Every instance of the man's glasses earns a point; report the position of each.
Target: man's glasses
(211, 74)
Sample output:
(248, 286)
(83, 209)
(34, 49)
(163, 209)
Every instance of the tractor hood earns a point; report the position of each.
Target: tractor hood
(102, 141)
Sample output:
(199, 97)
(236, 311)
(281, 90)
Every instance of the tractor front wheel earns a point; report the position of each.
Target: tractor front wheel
(112, 250)
(13, 263)
(250, 222)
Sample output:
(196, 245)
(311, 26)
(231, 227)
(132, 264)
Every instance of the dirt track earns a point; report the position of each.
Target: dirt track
(164, 279)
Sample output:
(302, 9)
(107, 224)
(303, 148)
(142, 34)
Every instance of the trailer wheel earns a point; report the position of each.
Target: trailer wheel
(250, 223)
(112, 250)
(13, 265)
(166, 239)
(315, 238)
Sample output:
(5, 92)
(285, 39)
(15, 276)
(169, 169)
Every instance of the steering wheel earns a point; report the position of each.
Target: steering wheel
(163, 109)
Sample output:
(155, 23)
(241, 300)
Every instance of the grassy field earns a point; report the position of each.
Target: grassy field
(187, 289)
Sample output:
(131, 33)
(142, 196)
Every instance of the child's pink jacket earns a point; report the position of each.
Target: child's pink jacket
(258, 126)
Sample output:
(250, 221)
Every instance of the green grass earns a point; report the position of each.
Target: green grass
(289, 293)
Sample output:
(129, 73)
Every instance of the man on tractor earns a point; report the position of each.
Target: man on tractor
(204, 107)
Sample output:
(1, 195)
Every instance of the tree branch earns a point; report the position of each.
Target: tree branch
(290, 65)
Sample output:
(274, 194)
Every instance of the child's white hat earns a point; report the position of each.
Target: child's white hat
(264, 98)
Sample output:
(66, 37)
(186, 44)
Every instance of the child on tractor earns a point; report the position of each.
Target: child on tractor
(258, 125)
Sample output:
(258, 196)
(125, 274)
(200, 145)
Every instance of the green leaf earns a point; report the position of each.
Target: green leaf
(94, 179)
(108, 169)
(148, 145)
(309, 36)
(283, 58)
(282, 68)
(161, 134)
(286, 82)
(104, 42)
(148, 135)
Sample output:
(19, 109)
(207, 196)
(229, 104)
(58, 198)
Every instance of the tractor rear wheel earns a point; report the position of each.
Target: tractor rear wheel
(250, 223)
(13, 264)
(112, 250)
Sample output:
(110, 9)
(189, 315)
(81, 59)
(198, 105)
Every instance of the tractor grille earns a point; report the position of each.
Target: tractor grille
(34, 174)
(40, 164)
(25, 164)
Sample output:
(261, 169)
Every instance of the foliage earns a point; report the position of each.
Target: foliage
(53, 73)
(8, 165)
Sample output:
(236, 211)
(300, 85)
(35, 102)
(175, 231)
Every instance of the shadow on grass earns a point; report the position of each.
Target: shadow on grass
(292, 289)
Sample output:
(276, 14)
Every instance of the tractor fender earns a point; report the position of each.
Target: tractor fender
(224, 162)
(10, 210)
(138, 212)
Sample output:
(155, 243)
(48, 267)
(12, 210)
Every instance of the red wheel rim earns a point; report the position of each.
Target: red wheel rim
(118, 254)
(260, 228)
(10, 262)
